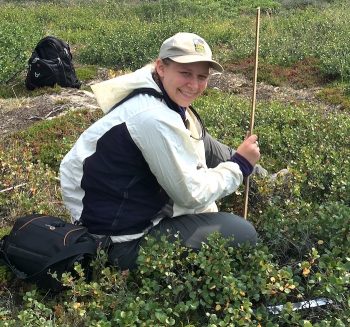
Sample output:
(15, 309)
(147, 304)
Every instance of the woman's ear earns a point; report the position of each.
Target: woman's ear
(160, 67)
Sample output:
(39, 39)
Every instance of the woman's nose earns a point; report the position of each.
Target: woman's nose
(193, 82)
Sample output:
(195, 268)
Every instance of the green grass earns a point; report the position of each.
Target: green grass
(299, 47)
(302, 221)
(124, 35)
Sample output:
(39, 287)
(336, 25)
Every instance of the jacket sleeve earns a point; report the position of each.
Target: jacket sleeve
(178, 161)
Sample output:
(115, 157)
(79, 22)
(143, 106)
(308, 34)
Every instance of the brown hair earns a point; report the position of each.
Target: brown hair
(166, 62)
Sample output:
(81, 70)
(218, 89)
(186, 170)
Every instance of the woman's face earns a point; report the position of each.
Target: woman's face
(183, 82)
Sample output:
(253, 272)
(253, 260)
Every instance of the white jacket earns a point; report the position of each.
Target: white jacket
(176, 159)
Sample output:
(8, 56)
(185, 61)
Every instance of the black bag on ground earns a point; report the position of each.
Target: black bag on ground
(38, 244)
(50, 64)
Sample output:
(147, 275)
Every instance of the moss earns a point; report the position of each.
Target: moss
(85, 73)
(337, 95)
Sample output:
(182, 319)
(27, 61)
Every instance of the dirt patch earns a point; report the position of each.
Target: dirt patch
(19, 114)
(15, 116)
(243, 87)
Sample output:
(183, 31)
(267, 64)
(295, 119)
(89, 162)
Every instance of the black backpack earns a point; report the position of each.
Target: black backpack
(39, 244)
(50, 64)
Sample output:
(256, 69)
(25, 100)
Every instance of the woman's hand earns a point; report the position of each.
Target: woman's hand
(249, 149)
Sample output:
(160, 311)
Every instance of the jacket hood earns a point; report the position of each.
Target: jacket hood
(110, 92)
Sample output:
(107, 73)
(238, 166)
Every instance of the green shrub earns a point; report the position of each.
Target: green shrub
(302, 218)
(30, 161)
(302, 221)
(218, 286)
(100, 34)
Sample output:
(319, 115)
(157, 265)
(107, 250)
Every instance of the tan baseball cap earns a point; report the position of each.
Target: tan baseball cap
(187, 48)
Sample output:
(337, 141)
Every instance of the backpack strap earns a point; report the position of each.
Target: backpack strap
(144, 90)
(4, 259)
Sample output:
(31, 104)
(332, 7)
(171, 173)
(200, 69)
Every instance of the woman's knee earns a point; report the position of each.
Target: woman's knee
(239, 228)
(195, 229)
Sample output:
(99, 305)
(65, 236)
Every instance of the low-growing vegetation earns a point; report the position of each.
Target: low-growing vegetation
(302, 218)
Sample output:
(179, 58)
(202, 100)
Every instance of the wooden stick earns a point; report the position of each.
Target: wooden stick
(246, 192)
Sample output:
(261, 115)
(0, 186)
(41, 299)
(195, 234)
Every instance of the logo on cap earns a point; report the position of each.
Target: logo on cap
(199, 45)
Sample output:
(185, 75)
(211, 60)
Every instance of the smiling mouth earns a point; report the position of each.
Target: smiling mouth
(190, 95)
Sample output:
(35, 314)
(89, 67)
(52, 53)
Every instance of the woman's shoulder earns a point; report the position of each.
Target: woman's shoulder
(112, 91)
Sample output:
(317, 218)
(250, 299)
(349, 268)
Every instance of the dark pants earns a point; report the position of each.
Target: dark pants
(216, 152)
(193, 229)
